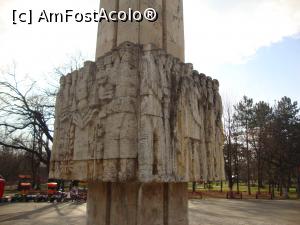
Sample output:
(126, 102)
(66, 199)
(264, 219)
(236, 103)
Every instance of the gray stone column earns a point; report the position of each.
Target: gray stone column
(165, 33)
(138, 123)
(137, 204)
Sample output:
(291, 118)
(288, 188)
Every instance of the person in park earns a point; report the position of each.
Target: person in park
(74, 191)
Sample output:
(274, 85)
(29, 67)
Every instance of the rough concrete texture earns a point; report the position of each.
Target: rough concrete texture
(165, 33)
(201, 212)
(138, 114)
(137, 204)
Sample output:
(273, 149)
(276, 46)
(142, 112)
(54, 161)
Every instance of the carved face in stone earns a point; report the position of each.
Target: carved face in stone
(216, 85)
(169, 63)
(209, 83)
(197, 79)
(69, 79)
(195, 73)
(82, 87)
(162, 57)
(188, 70)
(108, 60)
(106, 90)
(176, 68)
(62, 82)
(125, 55)
(67, 84)
(203, 81)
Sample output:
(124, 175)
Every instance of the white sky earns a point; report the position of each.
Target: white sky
(217, 33)
(231, 31)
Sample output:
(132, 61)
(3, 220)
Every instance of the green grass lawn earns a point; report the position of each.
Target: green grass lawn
(243, 188)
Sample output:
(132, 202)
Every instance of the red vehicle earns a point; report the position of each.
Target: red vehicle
(2, 184)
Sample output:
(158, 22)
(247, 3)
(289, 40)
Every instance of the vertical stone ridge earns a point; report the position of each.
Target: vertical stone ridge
(164, 25)
(139, 205)
(139, 24)
(108, 203)
(138, 110)
(166, 203)
(116, 25)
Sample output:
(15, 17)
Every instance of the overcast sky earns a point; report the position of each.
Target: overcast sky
(251, 46)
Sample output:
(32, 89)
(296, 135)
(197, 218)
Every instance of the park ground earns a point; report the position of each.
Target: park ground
(201, 212)
(213, 190)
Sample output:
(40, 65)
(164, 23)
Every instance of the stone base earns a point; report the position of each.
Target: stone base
(137, 204)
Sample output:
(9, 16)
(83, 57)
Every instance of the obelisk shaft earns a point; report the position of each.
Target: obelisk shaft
(167, 32)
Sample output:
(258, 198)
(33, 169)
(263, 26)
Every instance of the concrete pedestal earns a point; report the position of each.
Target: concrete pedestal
(137, 204)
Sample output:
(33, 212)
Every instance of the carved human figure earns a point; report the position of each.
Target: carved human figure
(202, 102)
(67, 95)
(81, 117)
(152, 139)
(210, 129)
(58, 108)
(65, 118)
(165, 64)
(219, 139)
(105, 92)
(82, 93)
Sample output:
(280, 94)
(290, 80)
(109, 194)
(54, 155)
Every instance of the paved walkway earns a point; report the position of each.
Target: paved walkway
(246, 212)
(201, 212)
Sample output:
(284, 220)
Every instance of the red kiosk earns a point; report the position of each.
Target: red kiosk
(52, 188)
(2, 184)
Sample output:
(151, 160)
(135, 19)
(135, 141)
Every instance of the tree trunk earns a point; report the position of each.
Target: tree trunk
(194, 186)
(248, 163)
(286, 194)
(259, 173)
(289, 182)
(248, 169)
(230, 182)
(280, 188)
(209, 185)
(237, 183)
(221, 186)
(236, 168)
(298, 183)
(229, 163)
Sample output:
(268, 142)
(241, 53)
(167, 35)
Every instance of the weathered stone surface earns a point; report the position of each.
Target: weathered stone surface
(165, 33)
(138, 123)
(138, 114)
(137, 204)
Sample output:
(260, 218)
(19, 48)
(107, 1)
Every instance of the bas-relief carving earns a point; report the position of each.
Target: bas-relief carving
(138, 114)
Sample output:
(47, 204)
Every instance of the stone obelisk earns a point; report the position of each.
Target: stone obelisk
(165, 33)
(138, 123)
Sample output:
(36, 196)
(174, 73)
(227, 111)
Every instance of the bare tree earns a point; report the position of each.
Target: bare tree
(26, 118)
(228, 147)
(27, 112)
